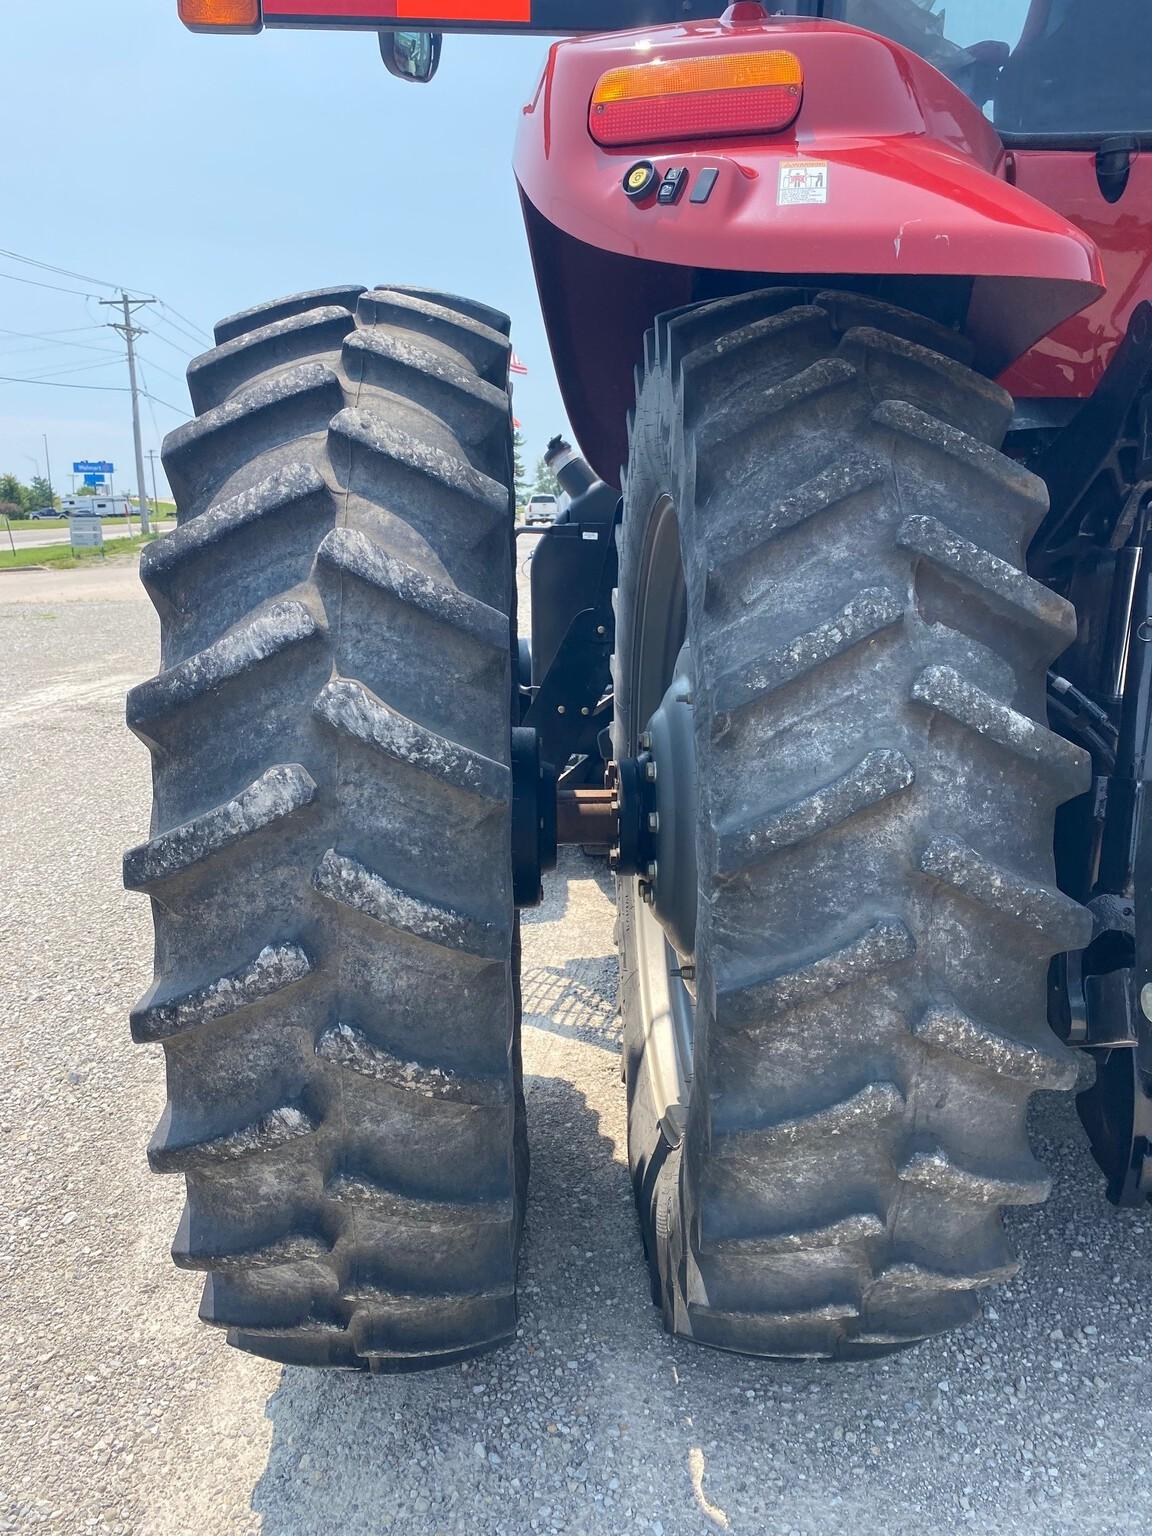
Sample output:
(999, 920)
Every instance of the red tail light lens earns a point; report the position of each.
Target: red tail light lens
(707, 97)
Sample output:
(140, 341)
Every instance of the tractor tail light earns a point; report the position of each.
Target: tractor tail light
(221, 15)
(696, 98)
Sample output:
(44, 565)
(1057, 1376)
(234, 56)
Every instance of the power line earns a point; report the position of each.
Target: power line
(46, 266)
(198, 329)
(71, 330)
(182, 350)
(104, 389)
(194, 333)
(114, 389)
(22, 348)
(180, 325)
(180, 410)
(55, 287)
(86, 346)
(58, 373)
(155, 423)
(167, 404)
(181, 331)
(167, 372)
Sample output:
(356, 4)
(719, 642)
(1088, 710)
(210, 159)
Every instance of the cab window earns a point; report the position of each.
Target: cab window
(1064, 68)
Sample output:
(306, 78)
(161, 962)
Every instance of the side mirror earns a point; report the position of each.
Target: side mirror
(411, 56)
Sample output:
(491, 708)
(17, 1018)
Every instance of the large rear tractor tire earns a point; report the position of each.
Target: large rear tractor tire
(330, 866)
(822, 573)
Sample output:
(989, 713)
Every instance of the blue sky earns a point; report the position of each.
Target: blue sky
(217, 172)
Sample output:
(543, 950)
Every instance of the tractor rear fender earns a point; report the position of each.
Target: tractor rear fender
(888, 171)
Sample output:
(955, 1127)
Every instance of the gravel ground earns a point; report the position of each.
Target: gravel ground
(121, 1414)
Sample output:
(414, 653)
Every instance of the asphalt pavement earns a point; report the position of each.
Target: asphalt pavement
(34, 536)
(120, 1413)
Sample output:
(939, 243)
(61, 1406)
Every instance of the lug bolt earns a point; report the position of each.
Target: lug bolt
(646, 893)
(653, 821)
(652, 869)
(650, 771)
(585, 710)
(600, 630)
(561, 709)
(645, 741)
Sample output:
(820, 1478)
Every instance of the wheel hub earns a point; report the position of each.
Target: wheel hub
(668, 811)
(645, 814)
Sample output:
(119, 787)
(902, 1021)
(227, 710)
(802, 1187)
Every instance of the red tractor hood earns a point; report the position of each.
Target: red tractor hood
(887, 169)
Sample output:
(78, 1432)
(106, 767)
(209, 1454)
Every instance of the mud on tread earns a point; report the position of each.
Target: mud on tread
(878, 788)
(336, 998)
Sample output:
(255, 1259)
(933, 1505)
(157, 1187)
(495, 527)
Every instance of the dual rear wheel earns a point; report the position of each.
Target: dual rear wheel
(833, 974)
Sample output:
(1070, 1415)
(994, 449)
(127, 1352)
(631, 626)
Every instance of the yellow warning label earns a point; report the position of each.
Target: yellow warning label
(802, 181)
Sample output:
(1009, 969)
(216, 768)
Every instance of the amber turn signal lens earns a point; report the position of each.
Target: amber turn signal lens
(221, 15)
(705, 97)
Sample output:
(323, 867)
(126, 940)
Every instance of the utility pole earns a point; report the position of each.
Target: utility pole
(48, 470)
(130, 333)
(152, 457)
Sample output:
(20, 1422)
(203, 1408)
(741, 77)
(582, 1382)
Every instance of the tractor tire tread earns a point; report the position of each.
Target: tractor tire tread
(876, 776)
(334, 995)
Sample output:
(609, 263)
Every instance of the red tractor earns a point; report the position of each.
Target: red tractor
(850, 312)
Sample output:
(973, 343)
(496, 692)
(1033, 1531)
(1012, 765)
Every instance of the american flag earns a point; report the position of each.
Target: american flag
(516, 366)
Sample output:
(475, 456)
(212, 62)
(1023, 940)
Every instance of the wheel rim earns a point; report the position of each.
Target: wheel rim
(661, 714)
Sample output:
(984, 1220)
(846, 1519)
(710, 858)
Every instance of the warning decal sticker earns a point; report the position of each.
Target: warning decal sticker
(802, 181)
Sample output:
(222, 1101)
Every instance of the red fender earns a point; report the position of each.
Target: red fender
(914, 183)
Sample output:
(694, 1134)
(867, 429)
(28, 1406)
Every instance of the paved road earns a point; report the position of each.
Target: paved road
(120, 1414)
(32, 536)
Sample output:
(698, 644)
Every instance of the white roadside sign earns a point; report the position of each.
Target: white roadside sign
(87, 533)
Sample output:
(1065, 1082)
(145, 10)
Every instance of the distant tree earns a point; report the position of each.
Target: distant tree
(546, 483)
(12, 510)
(40, 494)
(523, 490)
(16, 494)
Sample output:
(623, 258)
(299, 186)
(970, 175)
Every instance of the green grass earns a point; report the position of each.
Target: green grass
(63, 556)
(166, 511)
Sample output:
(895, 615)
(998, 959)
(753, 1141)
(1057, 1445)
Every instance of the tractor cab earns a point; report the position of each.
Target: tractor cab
(1069, 69)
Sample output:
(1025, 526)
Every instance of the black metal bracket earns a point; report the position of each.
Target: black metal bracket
(1100, 996)
(564, 707)
(562, 720)
(1100, 458)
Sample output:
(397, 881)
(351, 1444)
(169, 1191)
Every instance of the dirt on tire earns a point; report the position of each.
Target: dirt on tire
(877, 790)
(329, 864)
